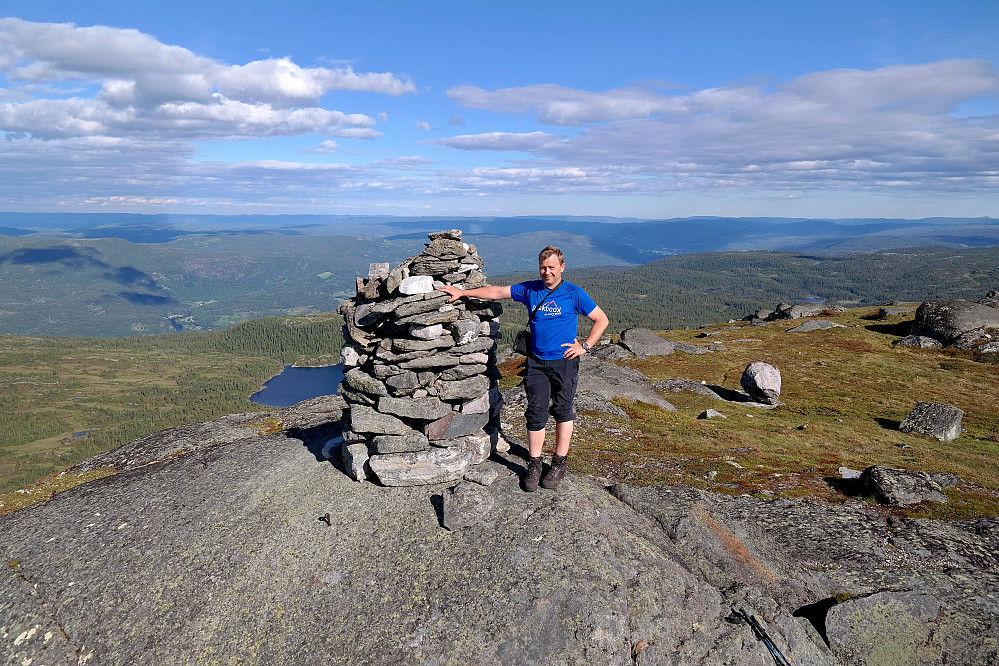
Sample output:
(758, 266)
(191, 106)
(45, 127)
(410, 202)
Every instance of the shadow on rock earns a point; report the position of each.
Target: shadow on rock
(315, 438)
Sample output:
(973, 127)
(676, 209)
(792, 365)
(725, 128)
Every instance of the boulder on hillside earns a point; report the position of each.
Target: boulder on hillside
(798, 310)
(920, 341)
(762, 382)
(949, 321)
(815, 325)
(644, 342)
(612, 381)
(939, 421)
(900, 487)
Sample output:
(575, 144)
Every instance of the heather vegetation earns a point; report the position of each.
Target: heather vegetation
(845, 391)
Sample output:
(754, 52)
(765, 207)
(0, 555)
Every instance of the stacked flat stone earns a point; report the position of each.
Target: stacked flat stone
(420, 373)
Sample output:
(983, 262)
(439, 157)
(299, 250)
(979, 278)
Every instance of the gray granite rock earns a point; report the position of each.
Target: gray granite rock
(466, 504)
(355, 461)
(900, 487)
(939, 421)
(643, 342)
(233, 538)
(921, 341)
(415, 441)
(365, 419)
(762, 382)
(815, 325)
(436, 465)
(611, 381)
(423, 409)
(947, 321)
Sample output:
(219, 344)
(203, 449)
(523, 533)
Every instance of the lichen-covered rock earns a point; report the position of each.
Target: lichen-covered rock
(465, 505)
(762, 382)
(424, 409)
(900, 487)
(365, 419)
(885, 628)
(947, 321)
(412, 442)
(234, 538)
(939, 421)
(921, 341)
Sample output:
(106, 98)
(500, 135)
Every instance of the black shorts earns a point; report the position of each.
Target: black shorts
(550, 383)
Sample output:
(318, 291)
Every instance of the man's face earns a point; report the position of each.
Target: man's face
(551, 271)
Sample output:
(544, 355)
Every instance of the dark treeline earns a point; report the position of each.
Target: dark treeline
(689, 290)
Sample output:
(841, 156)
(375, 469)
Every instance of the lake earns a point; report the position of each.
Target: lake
(297, 384)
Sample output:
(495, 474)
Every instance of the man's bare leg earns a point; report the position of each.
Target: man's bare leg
(563, 437)
(536, 442)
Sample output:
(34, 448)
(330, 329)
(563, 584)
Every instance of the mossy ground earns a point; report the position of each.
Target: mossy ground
(845, 391)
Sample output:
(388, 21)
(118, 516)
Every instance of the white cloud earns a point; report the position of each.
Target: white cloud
(422, 124)
(151, 88)
(327, 147)
(530, 141)
(827, 130)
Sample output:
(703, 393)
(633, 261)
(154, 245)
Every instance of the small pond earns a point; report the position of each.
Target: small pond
(297, 384)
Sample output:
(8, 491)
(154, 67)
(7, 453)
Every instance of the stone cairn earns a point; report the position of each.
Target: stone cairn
(420, 376)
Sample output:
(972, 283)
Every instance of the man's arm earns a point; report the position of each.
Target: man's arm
(600, 323)
(485, 293)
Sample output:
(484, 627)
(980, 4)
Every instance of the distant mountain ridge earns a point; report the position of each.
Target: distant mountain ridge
(123, 274)
(629, 240)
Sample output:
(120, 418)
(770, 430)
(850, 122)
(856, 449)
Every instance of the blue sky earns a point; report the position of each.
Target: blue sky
(634, 108)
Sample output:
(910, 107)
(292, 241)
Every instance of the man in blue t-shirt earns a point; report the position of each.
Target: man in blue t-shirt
(553, 358)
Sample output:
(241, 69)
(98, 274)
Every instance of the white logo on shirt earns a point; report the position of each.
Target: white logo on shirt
(550, 308)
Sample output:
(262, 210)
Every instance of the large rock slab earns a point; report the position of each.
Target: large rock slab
(814, 325)
(644, 342)
(609, 381)
(223, 555)
(947, 321)
(939, 421)
(900, 487)
(885, 628)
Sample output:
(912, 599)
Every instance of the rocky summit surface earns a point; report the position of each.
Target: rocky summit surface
(216, 544)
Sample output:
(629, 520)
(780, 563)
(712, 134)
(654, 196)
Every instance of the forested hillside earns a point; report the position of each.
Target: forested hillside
(63, 399)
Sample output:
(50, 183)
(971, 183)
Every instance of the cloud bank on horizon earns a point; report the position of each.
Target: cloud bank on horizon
(109, 118)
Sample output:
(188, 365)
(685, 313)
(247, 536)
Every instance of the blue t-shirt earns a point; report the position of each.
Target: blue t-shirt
(555, 321)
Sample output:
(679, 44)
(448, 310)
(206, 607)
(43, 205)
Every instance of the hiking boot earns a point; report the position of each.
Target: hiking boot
(532, 475)
(555, 472)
